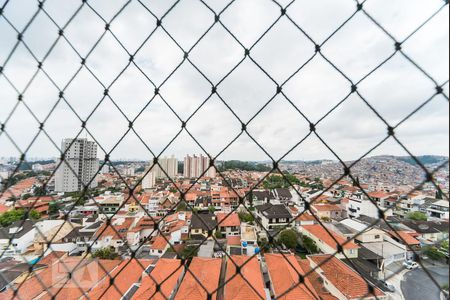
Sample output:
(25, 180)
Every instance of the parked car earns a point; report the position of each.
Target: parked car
(410, 265)
(388, 286)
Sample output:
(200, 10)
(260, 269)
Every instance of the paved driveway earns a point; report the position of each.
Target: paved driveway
(416, 285)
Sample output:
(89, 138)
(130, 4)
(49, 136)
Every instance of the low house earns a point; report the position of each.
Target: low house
(260, 197)
(305, 218)
(176, 227)
(439, 209)
(342, 281)
(328, 211)
(158, 246)
(201, 280)
(362, 232)
(281, 194)
(39, 204)
(327, 241)
(245, 284)
(116, 235)
(84, 274)
(428, 232)
(229, 224)
(203, 223)
(283, 272)
(273, 216)
(22, 234)
(234, 245)
(162, 281)
(125, 275)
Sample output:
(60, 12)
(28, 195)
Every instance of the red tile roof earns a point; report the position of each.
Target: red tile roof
(345, 279)
(166, 274)
(159, 243)
(378, 194)
(405, 236)
(327, 207)
(306, 216)
(226, 220)
(319, 232)
(234, 240)
(205, 270)
(315, 280)
(284, 273)
(239, 289)
(85, 274)
(125, 275)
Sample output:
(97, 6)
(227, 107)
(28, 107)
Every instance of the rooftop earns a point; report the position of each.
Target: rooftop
(345, 279)
(206, 271)
(329, 238)
(166, 274)
(246, 285)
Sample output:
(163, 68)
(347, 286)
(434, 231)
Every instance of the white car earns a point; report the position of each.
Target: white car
(410, 265)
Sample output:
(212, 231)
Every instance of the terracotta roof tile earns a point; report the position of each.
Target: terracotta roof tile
(125, 275)
(231, 220)
(166, 273)
(252, 288)
(318, 231)
(345, 279)
(205, 270)
(284, 273)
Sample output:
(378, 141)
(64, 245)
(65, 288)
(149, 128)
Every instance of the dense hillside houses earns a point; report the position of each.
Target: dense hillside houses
(230, 230)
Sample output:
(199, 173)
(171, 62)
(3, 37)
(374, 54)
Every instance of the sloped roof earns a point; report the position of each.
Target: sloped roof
(239, 289)
(284, 273)
(166, 274)
(329, 238)
(345, 279)
(206, 271)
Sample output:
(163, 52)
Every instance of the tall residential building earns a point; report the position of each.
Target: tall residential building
(148, 182)
(168, 167)
(195, 166)
(79, 166)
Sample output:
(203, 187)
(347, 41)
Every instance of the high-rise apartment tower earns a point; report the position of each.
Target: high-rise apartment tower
(79, 166)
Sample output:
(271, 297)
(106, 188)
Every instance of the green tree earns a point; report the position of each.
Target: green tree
(246, 217)
(40, 191)
(182, 206)
(433, 253)
(211, 209)
(9, 217)
(218, 234)
(439, 195)
(105, 253)
(288, 237)
(189, 251)
(278, 181)
(309, 245)
(53, 208)
(417, 216)
(34, 215)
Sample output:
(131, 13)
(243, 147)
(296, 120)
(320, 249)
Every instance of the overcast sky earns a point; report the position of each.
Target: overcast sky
(394, 90)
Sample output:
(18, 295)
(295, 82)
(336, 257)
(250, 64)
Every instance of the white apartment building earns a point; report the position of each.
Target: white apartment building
(149, 180)
(195, 166)
(358, 205)
(168, 167)
(438, 209)
(79, 166)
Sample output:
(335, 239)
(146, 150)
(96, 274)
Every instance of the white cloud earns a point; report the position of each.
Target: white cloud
(394, 90)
